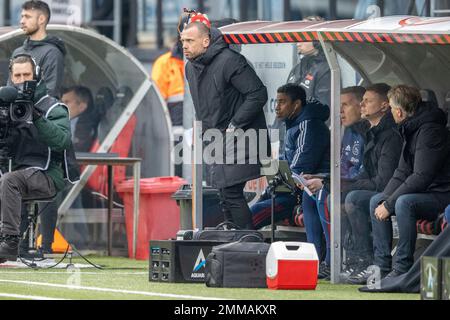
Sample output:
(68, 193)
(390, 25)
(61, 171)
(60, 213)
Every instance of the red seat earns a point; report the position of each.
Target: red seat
(431, 227)
(99, 179)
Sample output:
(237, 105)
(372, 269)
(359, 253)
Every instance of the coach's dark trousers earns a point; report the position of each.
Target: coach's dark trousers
(235, 207)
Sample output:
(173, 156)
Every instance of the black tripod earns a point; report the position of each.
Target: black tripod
(33, 213)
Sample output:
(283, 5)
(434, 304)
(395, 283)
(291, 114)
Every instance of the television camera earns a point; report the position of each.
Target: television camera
(16, 106)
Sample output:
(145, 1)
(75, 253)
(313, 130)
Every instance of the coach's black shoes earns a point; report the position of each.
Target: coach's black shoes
(9, 248)
(324, 271)
(350, 265)
(364, 274)
(393, 274)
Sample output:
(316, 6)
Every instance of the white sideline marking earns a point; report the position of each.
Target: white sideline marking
(143, 293)
(19, 296)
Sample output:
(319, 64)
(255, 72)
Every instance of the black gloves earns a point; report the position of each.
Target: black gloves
(37, 113)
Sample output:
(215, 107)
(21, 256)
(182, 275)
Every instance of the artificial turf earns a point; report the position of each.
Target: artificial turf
(130, 275)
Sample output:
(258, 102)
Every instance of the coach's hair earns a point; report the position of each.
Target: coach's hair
(83, 93)
(204, 30)
(406, 97)
(357, 91)
(381, 89)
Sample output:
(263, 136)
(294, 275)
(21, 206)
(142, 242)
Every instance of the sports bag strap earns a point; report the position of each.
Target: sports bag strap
(227, 225)
(256, 236)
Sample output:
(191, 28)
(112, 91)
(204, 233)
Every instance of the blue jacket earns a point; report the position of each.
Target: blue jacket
(352, 150)
(307, 141)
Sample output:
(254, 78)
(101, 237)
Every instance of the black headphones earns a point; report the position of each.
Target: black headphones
(36, 67)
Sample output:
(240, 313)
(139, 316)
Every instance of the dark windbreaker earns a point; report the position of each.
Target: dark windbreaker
(225, 89)
(381, 155)
(425, 160)
(49, 55)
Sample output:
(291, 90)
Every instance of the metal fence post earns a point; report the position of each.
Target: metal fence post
(118, 21)
(335, 192)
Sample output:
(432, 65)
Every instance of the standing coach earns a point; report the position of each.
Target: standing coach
(227, 95)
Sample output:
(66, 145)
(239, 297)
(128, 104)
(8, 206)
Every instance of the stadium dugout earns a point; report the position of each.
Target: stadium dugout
(395, 50)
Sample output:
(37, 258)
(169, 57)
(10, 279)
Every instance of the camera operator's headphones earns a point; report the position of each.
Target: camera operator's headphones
(36, 67)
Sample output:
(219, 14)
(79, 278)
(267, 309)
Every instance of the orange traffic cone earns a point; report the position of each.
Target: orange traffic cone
(59, 244)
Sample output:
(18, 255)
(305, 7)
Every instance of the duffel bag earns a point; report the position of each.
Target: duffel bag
(225, 232)
(240, 264)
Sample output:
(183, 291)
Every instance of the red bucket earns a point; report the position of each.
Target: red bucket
(159, 215)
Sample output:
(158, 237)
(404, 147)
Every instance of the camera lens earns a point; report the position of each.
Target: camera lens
(21, 111)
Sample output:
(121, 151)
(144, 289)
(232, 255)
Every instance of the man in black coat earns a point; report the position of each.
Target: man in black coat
(420, 187)
(228, 96)
(380, 159)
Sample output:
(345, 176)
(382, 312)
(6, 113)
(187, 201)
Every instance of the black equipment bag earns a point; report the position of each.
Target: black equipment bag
(225, 232)
(240, 264)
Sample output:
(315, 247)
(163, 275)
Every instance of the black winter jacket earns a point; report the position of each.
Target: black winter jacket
(226, 90)
(49, 55)
(381, 155)
(425, 160)
(313, 74)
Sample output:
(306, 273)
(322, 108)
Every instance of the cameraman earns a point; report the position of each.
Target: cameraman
(38, 154)
(84, 122)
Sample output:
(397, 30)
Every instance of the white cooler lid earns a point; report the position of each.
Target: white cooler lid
(288, 251)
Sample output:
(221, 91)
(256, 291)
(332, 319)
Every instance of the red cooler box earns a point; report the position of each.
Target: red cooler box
(292, 266)
(159, 215)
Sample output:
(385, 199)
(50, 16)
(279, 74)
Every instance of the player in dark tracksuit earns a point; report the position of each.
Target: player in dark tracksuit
(307, 150)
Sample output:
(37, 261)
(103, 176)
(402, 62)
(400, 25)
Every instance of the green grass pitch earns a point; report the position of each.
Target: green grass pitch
(125, 279)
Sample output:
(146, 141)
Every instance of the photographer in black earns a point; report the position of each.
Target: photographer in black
(41, 150)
